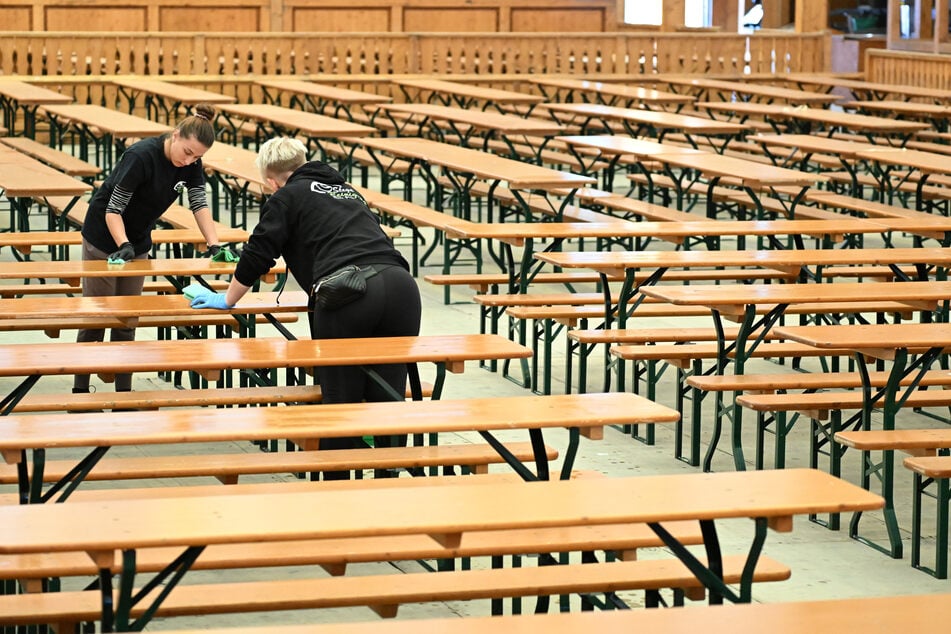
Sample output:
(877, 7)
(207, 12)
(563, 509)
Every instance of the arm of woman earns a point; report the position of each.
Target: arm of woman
(206, 224)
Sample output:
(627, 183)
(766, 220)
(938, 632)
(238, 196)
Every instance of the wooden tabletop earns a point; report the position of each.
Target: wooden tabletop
(615, 144)
(213, 355)
(324, 91)
(790, 260)
(732, 299)
(27, 94)
(875, 340)
(238, 162)
(752, 174)
(630, 94)
(908, 108)
(517, 232)
(24, 241)
(656, 119)
(128, 308)
(74, 270)
(591, 411)
(917, 441)
(928, 162)
(503, 124)
(102, 527)
(518, 174)
(871, 614)
(312, 124)
(106, 120)
(822, 144)
(22, 176)
(829, 118)
(760, 91)
(176, 93)
(879, 89)
(469, 91)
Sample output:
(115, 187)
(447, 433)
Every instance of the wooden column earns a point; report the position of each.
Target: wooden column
(673, 15)
(812, 16)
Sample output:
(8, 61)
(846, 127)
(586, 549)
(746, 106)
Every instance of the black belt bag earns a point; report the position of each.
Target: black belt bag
(341, 287)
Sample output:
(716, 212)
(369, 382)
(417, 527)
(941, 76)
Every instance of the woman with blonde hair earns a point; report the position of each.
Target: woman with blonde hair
(325, 232)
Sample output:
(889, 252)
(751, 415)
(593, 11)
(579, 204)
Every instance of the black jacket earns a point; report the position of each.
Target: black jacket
(318, 223)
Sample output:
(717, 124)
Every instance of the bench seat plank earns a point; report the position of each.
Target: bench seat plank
(384, 593)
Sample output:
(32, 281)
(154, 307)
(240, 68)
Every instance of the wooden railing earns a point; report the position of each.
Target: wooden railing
(903, 67)
(229, 56)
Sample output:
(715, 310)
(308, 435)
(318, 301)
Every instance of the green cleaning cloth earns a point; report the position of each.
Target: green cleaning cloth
(224, 255)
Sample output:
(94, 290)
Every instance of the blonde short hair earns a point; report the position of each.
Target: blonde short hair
(280, 155)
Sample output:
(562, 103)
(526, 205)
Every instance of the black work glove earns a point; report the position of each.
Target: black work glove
(126, 253)
(219, 253)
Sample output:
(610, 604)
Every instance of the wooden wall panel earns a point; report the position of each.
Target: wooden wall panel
(339, 19)
(559, 20)
(210, 19)
(93, 18)
(16, 18)
(443, 20)
(323, 16)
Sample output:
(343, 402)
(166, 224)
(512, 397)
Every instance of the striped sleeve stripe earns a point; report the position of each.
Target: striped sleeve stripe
(197, 200)
(118, 201)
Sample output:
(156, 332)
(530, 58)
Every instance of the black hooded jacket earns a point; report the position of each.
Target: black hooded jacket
(318, 223)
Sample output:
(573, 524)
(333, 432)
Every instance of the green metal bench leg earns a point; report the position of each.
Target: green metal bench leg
(941, 496)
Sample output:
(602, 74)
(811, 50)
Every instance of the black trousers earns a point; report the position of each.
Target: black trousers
(390, 308)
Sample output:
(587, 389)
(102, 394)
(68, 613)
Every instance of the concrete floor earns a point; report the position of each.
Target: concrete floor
(825, 564)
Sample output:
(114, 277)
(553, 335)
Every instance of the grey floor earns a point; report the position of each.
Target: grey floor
(824, 563)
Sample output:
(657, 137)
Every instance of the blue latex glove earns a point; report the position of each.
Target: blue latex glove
(210, 300)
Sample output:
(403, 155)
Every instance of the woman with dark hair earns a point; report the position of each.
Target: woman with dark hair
(149, 177)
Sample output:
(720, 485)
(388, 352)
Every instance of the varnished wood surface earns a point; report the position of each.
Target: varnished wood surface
(874, 614)
(107, 120)
(21, 359)
(898, 439)
(26, 94)
(753, 90)
(443, 512)
(487, 120)
(518, 232)
(24, 176)
(470, 91)
(734, 298)
(788, 259)
(878, 340)
(323, 91)
(309, 123)
(589, 411)
(832, 118)
(176, 93)
(608, 91)
(518, 174)
(657, 119)
(77, 269)
(130, 307)
(24, 241)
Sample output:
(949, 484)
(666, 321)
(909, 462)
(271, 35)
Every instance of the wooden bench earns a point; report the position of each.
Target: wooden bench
(385, 593)
(62, 161)
(305, 425)
(448, 514)
(888, 614)
(335, 554)
(229, 467)
(55, 288)
(930, 471)
(754, 386)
